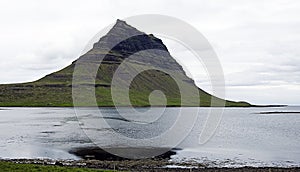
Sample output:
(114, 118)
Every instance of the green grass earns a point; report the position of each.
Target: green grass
(55, 90)
(15, 167)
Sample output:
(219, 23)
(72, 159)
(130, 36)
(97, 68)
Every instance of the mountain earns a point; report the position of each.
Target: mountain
(135, 49)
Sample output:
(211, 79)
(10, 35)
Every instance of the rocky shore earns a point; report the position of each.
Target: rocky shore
(144, 165)
(97, 158)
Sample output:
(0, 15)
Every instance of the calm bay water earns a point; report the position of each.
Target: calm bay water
(244, 136)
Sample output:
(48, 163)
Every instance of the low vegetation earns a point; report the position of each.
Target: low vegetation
(15, 167)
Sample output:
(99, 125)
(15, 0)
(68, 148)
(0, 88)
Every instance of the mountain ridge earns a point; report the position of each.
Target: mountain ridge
(55, 89)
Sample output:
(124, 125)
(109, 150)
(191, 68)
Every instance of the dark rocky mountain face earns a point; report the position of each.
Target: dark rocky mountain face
(129, 38)
(123, 40)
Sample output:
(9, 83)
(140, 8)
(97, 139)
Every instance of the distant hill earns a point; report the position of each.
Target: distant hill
(56, 89)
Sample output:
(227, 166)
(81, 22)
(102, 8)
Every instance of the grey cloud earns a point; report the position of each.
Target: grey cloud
(265, 76)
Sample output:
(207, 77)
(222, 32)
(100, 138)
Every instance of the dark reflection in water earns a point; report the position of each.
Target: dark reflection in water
(100, 154)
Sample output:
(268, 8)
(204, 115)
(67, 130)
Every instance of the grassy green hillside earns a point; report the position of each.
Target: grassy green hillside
(56, 89)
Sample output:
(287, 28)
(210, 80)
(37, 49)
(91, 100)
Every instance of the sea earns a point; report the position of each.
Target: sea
(254, 136)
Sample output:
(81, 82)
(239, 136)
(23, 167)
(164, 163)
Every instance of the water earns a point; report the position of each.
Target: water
(244, 137)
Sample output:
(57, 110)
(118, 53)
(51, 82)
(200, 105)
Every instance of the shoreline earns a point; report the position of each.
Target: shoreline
(252, 106)
(97, 158)
(142, 165)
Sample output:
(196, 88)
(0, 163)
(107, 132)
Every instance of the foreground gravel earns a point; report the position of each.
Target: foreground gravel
(145, 165)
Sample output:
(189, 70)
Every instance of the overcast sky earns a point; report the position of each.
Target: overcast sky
(257, 41)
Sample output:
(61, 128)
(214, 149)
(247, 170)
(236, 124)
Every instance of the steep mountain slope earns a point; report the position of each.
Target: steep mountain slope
(56, 89)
